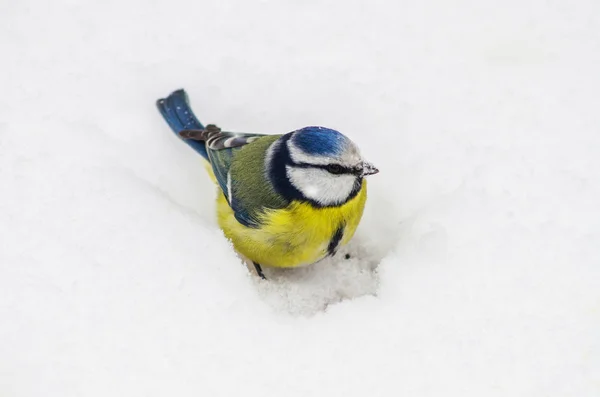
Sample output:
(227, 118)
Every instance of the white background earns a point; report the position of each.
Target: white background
(483, 225)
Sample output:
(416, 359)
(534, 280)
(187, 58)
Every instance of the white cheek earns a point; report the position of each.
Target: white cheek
(320, 186)
(312, 191)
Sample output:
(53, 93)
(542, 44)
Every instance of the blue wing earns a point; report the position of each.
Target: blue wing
(216, 146)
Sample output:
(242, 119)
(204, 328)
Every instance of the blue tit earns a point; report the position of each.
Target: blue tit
(284, 200)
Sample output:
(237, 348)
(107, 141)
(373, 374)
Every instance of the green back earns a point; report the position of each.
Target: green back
(251, 191)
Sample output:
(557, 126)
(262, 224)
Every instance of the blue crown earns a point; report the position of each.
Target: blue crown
(320, 141)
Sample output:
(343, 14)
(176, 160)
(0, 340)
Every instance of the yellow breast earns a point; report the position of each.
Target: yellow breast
(294, 236)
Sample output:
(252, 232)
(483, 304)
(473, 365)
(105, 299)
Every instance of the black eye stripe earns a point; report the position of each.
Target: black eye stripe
(335, 169)
(343, 169)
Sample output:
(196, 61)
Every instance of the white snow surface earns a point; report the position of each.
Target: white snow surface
(475, 271)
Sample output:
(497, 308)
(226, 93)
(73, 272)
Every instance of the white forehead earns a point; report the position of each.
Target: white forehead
(349, 155)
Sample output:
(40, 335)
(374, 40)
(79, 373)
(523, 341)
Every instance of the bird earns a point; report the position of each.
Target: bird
(286, 200)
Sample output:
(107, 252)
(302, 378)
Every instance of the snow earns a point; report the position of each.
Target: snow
(476, 269)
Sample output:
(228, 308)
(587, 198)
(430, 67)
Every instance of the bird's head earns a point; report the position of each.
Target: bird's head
(318, 165)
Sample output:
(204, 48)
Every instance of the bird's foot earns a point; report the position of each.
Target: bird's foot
(259, 270)
(200, 135)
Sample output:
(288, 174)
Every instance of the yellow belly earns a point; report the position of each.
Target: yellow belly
(294, 236)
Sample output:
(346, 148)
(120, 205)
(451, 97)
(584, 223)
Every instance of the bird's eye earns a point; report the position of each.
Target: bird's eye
(335, 168)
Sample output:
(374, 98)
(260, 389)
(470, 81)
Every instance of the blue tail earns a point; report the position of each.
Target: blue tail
(176, 111)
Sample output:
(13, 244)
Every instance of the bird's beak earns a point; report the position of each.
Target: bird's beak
(369, 169)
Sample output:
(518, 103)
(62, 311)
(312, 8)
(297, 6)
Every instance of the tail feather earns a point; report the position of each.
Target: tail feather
(176, 111)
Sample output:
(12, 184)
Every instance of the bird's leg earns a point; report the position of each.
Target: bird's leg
(259, 270)
(194, 135)
(200, 135)
(251, 264)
